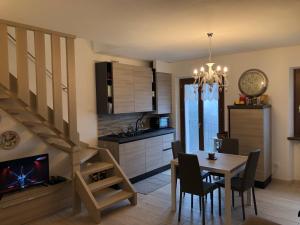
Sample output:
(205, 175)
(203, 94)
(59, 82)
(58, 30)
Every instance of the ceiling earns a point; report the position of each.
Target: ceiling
(168, 30)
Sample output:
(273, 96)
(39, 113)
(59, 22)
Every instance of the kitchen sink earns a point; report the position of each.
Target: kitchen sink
(131, 134)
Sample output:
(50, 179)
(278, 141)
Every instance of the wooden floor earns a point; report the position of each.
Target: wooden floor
(280, 202)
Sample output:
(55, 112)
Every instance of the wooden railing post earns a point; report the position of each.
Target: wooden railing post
(40, 68)
(56, 81)
(22, 65)
(72, 110)
(4, 73)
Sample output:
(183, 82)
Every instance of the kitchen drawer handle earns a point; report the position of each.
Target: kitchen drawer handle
(167, 149)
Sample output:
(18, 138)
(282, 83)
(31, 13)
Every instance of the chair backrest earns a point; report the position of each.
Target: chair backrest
(223, 135)
(176, 148)
(230, 146)
(190, 174)
(250, 170)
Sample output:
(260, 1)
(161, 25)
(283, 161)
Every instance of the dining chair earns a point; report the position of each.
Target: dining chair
(176, 149)
(246, 181)
(230, 146)
(191, 182)
(223, 135)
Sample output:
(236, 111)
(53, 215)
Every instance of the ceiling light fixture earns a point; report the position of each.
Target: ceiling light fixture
(212, 75)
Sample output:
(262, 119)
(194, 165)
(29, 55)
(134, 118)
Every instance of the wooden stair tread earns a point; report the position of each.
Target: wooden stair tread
(16, 111)
(120, 196)
(33, 124)
(62, 147)
(96, 167)
(46, 135)
(101, 184)
(5, 100)
(86, 153)
(3, 96)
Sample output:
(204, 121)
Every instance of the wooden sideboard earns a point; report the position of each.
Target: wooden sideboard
(251, 125)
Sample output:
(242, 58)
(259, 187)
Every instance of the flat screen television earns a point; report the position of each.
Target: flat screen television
(22, 173)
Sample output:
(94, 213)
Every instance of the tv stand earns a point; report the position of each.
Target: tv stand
(48, 199)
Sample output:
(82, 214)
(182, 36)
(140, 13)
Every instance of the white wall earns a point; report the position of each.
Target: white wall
(277, 64)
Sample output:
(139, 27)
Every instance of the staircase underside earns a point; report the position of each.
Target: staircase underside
(37, 125)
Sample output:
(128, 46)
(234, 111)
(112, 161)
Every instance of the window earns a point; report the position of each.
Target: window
(297, 102)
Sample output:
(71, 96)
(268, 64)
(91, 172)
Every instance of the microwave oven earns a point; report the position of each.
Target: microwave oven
(159, 122)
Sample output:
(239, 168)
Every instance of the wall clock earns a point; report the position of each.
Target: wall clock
(253, 83)
(9, 140)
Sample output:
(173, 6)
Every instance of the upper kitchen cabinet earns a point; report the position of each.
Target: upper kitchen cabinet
(163, 93)
(143, 78)
(122, 88)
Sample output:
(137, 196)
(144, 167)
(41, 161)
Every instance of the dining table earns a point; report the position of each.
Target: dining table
(227, 164)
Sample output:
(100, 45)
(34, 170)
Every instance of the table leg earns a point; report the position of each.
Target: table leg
(228, 199)
(249, 197)
(173, 186)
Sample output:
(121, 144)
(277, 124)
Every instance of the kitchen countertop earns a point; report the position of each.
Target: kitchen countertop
(148, 134)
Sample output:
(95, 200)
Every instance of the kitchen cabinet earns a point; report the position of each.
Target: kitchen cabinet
(142, 156)
(143, 78)
(154, 149)
(251, 125)
(132, 158)
(122, 88)
(163, 83)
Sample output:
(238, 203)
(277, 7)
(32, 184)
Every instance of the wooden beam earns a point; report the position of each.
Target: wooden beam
(56, 83)
(34, 28)
(22, 65)
(72, 110)
(40, 67)
(4, 71)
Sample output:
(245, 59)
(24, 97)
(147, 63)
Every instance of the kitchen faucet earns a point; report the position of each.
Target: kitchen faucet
(139, 122)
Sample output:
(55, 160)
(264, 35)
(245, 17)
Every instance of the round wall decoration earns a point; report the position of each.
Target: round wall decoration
(253, 83)
(9, 140)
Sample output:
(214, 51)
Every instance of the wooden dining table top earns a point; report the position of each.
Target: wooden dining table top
(224, 163)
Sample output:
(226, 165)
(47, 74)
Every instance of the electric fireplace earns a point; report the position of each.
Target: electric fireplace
(22, 173)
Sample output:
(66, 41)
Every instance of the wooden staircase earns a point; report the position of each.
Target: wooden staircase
(32, 111)
(111, 188)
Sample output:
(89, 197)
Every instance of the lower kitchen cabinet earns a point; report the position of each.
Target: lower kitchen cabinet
(142, 156)
(167, 156)
(154, 147)
(132, 158)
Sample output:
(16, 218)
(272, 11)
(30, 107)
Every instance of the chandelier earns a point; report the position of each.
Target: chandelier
(207, 78)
